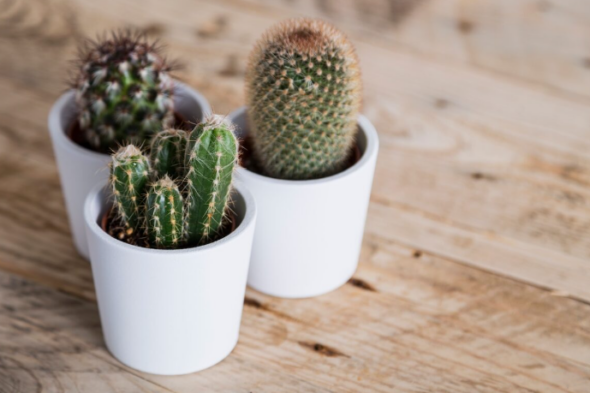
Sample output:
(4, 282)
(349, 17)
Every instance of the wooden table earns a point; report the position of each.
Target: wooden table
(475, 269)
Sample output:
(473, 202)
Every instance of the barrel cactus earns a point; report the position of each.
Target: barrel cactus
(303, 92)
(123, 91)
(178, 211)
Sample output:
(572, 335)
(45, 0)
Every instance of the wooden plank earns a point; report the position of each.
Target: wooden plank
(49, 342)
(455, 145)
(566, 275)
(407, 323)
(484, 138)
(538, 43)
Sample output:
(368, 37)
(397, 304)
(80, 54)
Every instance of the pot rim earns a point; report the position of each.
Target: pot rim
(365, 126)
(67, 102)
(248, 221)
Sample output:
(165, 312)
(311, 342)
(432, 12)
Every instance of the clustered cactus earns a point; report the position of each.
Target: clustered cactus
(123, 91)
(303, 91)
(179, 197)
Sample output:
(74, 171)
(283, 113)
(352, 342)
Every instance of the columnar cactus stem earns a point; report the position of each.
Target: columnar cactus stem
(123, 91)
(129, 176)
(167, 153)
(211, 155)
(164, 214)
(303, 92)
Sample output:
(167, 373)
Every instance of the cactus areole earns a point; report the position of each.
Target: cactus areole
(123, 92)
(303, 91)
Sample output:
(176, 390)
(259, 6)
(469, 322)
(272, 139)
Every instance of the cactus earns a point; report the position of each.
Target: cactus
(303, 92)
(211, 155)
(167, 153)
(123, 91)
(164, 214)
(129, 176)
(160, 211)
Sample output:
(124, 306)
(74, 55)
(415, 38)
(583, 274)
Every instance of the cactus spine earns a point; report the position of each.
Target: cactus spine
(164, 214)
(171, 218)
(211, 155)
(167, 153)
(124, 92)
(303, 92)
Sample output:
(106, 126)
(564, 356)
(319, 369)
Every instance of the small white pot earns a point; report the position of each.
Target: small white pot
(170, 312)
(309, 232)
(80, 168)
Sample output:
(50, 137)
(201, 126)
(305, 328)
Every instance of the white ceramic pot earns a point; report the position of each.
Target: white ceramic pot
(80, 168)
(309, 232)
(170, 312)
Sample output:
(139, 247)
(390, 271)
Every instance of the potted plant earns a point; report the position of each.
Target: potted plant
(311, 158)
(122, 93)
(169, 256)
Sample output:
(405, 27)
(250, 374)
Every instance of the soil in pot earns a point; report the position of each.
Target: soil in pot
(247, 160)
(75, 133)
(112, 224)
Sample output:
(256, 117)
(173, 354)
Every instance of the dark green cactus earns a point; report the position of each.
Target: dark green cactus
(129, 177)
(124, 92)
(167, 153)
(211, 155)
(303, 92)
(158, 212)
(164, 214)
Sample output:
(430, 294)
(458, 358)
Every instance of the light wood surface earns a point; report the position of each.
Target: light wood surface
(475, 270)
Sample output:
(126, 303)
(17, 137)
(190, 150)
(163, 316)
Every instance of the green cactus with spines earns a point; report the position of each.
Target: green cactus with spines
(164, 214)
(167, 153)
(123, 91)
(129, 177)
(212, 152)
(304, 93)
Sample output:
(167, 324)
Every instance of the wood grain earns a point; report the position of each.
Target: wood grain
(482, 112)
(466, 330)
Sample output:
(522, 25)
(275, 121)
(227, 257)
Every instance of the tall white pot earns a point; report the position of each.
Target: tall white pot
(170, 312)
(80, 168)
(309, 232)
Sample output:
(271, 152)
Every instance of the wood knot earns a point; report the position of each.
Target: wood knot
(441, 103)
(465, 26)
(248, 301)
(357, 282)
(482, 176)
(322, 349)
